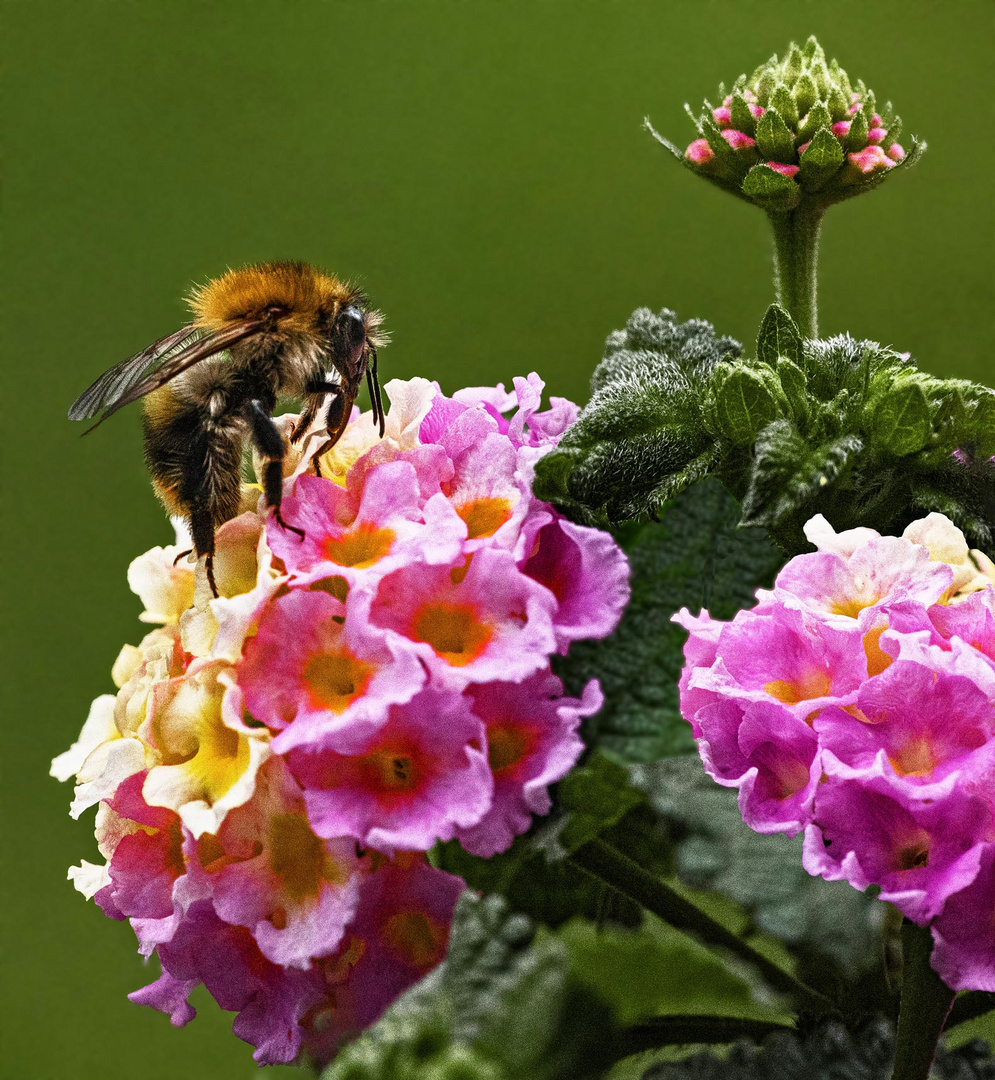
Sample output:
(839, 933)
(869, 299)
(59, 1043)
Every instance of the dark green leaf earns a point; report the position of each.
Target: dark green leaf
(641, 434)
(763, 873)
(778, 336)
(829, 1052)
(694, 557)
(805, 93)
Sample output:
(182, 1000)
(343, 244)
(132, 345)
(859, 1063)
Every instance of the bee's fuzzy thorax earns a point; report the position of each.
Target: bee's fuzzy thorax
(249, 290)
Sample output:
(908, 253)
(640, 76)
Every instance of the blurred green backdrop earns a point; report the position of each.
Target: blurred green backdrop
(481, 168)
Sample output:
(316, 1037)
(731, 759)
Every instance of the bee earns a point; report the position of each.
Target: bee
(258, 331)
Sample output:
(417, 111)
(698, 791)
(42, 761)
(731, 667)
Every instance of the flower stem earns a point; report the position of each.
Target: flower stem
(618, 870)
(796, 255)
(926, 1001)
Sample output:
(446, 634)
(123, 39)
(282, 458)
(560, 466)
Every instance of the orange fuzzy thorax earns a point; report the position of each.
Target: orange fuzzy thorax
(249, 290)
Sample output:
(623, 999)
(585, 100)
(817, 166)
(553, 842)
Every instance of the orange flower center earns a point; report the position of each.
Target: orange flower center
(916, 758)
(298, 858)
(335, 680)
(360, 546)
(506, 746)
(453, 631)
(484, 517)
(812, 684)
(415, 939)
(877, 658)
(394, 769)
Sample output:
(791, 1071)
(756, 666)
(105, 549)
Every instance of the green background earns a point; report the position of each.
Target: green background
(481, 168)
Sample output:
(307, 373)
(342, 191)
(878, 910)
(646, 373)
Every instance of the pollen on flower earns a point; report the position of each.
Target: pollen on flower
(454, 631)
(415, 939)
(335, 680)
(485, 516)
(361, 546)
(277, 757)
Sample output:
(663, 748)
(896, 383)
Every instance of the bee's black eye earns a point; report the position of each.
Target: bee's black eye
(352, 327)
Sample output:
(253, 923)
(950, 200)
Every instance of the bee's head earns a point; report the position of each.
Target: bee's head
(354, 333)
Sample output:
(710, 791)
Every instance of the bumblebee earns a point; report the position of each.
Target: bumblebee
(259, 331)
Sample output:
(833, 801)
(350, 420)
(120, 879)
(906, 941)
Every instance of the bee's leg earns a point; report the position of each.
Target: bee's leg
(182, 555)
(336, 417)
(202, 533)
(270, 445)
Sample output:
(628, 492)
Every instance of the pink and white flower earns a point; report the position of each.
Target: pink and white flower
(856, 701)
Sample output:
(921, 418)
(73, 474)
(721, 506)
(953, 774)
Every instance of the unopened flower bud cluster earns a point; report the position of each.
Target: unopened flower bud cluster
(803, 119)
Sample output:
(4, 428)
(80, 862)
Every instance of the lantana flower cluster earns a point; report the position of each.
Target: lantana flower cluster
(856, 702)
(802, 119)
(278, 758)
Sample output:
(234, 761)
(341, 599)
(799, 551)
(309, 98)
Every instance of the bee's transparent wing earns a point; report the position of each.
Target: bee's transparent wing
(155, 366)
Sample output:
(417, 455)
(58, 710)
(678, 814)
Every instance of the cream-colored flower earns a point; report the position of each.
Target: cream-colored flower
(208, 756)
(973, 570)
(164, 585)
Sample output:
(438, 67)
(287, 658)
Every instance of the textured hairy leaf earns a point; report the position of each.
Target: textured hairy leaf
(778, 336)
(694, 557)
(827, 1053)
(642, 426)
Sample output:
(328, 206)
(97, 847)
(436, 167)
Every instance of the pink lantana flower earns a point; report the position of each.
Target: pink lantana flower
(278, 756)
(856, 702)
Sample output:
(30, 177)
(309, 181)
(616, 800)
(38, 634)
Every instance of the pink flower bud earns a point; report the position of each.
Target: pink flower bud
(804, 146)
(722, 115)
(876, 120)
(876, 135)
(895, 151)
(699, 152)
(842, 129)
(871, 159)
(854, 109)
(757, 110)
(784, 170)
(738, 140)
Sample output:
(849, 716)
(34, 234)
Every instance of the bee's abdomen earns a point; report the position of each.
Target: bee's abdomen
(194, 460)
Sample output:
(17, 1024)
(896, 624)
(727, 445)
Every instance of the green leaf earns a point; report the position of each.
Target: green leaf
(784, 103)
(788, 476)
(805, 93)
(763, 873)
(829, 1052)
(643, 972)
(822, 158)
(641, 435)
(778, 336)
(818, 117)
(742, 401)
(770, 189)
(837, 103)
(775, 141)
(591, 798)
(501, 1006)
(694, 557)
(741, 117)
(856, 138)
(981, 426)
(899, 421)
